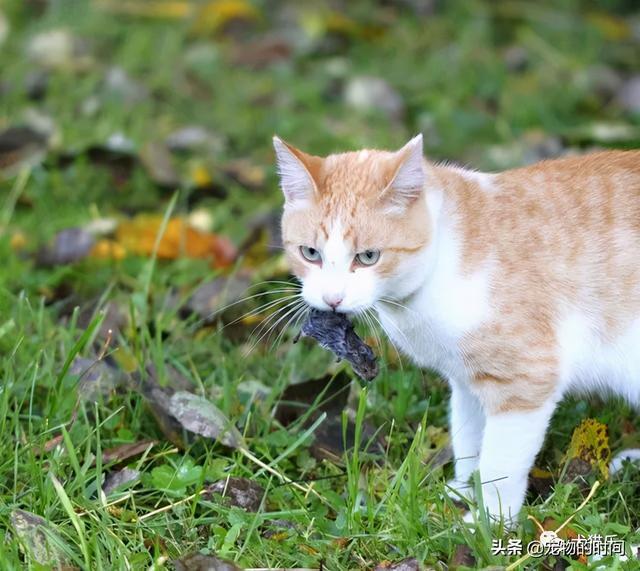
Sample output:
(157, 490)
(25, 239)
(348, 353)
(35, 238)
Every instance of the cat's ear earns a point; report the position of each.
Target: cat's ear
(297, 171)
(407, 176)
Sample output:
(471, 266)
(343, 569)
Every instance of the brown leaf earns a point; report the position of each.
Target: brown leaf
(541, 482)
(199, 562)
(262, 52)
(115, 480)
(48, 446)
(19, 147)
(408, 564)
(463, 557)
(239, 492)
(126, 451)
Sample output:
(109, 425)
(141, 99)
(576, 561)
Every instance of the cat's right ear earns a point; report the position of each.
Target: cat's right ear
(297, 171)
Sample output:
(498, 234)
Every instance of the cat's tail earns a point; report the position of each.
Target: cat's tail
(617, 462)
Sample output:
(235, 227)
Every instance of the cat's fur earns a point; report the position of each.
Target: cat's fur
(517, 287)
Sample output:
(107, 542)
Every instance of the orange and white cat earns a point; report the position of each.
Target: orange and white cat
(517, 287)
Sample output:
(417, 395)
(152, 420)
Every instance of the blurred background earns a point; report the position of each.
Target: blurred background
(138, 198)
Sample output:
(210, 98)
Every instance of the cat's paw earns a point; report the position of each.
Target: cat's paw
(460, 491)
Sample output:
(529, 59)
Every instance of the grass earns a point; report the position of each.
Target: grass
(450, 69)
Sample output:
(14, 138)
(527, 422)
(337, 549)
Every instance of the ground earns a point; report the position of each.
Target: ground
(106, 89)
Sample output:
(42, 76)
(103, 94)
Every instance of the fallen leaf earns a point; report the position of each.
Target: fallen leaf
(221, 15)
(106, 249)
(4, 28)
(199, 562)
(48, 446)
(20, 147)
(119, 479)
(239, 492)
(462, 557)
(628, 97)
(590, 445)
(38, 538)
(368, 93)
(59, 49)
(541, 482)
(195, 138)
(158, 399)
(260, 53)
(139, 236)
(246, 173)
(126, 451)
(97, 378)
(119, 83)
(210, 298)
(198, 415)
(158, 161)
(69, 245)
(408, 564)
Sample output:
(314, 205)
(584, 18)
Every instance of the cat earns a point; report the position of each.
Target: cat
(517, 287)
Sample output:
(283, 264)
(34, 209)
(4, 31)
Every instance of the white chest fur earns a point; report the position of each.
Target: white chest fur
(449, 304)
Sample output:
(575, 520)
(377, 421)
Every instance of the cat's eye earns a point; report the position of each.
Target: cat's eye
(310, 254)
(368, 257)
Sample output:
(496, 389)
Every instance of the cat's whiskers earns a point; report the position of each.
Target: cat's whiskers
(297, 315)
(282, 313)
(395, 348)
(215, 313)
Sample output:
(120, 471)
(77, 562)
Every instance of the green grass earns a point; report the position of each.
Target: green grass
(450, 69)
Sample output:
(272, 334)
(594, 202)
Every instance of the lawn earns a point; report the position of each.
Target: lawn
(141, 266)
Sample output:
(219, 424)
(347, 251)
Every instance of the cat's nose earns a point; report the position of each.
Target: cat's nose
(332, 300)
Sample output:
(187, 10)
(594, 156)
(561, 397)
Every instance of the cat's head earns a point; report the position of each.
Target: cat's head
(355, 225)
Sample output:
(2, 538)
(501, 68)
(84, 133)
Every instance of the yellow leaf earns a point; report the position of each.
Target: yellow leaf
(590, 443)
(18, 241)
(139, 236)
(200, 176)
(108, 250)
(610, 26)
(215, 16)
(126, 360)
(169, 9)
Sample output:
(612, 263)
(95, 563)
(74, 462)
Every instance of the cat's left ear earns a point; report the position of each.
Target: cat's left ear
(407, 175)
(298, 172)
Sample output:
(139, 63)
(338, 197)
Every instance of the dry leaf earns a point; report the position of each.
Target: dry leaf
(126, 451)
(198, 415)
(199, 562)
(139, 236)
(20, 147)
(219, 15)
(38, 537)
(115, 480)
(240, 492)
(463, 557)
(409, 564)
(590, 445)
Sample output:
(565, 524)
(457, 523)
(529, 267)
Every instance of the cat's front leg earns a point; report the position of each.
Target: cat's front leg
(466, 428)
(510, 443)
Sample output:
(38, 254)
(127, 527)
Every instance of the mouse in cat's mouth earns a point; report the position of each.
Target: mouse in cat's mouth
(335, 332)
